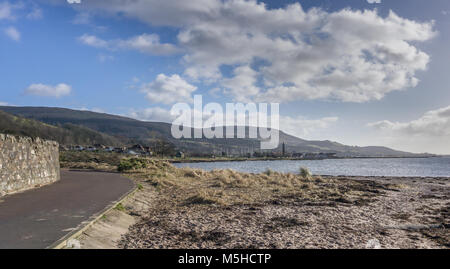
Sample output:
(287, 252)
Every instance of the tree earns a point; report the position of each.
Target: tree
(163, 148)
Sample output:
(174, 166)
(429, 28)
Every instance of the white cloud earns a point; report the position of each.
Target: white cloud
(6, 10)
(432, 123)
(168, 90)
(160, 114)
(374, 1)
(429, 133)
(48, 90)
(74, 1)
(3, 104)
(13, 33)
(153, 114)
(145, 43)
(86, 18)
(105, 58)
(354, 57)
(82, 18)
(95, 109)
(156, 12)
(93, 41)
(148, 43)
(303, 127)
(347, 55)
(35, 14)
(242, 84)
(215, 92)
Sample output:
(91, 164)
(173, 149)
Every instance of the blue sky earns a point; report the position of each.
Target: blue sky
(373, 78)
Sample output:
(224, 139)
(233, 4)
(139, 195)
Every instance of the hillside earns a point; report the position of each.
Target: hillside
(67, 133)
(126, 129)
(129, 131)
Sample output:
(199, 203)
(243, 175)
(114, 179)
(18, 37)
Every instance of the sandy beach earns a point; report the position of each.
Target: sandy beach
(186, 208)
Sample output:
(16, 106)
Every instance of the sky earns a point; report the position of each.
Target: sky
(359, 72)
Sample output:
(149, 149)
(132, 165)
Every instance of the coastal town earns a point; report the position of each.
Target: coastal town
(141, 150)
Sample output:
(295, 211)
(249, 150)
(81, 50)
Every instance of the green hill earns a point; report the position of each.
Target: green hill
(66, 133)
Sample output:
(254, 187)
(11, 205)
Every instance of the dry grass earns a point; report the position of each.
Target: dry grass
(192, 208)
(110, 158)
(100, 161)
(185, 186)
(89, 165)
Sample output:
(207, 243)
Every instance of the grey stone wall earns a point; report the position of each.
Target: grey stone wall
(26, 163)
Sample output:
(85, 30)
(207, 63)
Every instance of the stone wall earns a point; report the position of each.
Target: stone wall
(27, 163)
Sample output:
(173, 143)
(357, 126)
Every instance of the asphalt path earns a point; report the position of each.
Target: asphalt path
(39, 217)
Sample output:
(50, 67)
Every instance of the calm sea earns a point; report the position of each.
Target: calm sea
(402, 167)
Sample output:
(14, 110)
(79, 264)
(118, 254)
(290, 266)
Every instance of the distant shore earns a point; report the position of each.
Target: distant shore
(242, 159)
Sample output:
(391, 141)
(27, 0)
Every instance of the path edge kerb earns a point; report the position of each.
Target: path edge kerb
(61, 243)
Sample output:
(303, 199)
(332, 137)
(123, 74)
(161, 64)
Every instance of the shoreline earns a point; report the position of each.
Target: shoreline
(394, 212)
(196, 209)
(109, 162)
(210, 160)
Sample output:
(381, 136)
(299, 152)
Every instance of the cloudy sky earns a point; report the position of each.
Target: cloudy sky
(360, 72)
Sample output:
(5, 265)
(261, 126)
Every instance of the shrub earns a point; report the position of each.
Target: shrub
(305, 173)
(131, 164)
(120, 207)
(269, 172)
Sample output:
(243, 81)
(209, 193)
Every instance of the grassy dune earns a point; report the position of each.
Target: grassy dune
(185, 186)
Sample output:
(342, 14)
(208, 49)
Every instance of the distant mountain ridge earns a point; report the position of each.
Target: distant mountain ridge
(66, 133)
(123, 130)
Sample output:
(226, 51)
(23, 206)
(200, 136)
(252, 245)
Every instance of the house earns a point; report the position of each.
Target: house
(137, 149)
(120, 150)
(100, 146)
(131, 152)
(179, 154)
(109, 149)
(148, 151)
(78, 148)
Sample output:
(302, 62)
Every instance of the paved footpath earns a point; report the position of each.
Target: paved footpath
(38, 218)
